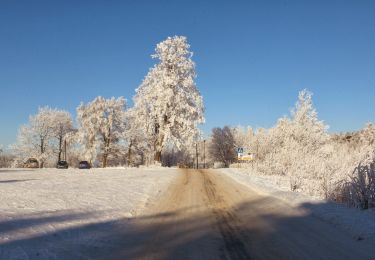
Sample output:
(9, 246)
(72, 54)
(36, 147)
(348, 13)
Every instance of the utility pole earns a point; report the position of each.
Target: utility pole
(204, 154)
(65, 150)
(196, 153)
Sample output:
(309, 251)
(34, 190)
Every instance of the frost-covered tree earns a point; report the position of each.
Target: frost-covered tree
(168, 102)
(6, 159)
(101, 123)
(339, 167)
(137, 142)
(306, 128)
(62, 127)
(222, 145)
(33, 139)
(243, 136)
(295, 146)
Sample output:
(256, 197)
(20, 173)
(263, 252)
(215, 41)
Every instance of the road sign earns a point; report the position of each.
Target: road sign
(249, 157)
(239, 150)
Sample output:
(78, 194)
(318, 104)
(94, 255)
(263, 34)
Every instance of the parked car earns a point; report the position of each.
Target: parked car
(31, 163)
(182, 166)
(62, 165)
(84, 165)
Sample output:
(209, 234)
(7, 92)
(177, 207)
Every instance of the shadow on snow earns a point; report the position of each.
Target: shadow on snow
(170, 235)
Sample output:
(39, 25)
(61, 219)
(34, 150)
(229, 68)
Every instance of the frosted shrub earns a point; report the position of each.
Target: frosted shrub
(295, 182)
(359, 191)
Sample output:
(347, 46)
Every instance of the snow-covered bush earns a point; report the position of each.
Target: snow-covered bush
(173, 157)
(6, 159)
(294, 146)
(359, 189)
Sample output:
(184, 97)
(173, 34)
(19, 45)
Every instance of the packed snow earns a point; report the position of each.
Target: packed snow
(48, 213)
(359, 224)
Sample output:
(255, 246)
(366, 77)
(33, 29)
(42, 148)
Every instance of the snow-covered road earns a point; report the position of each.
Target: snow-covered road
(70, 214)
(208, 215)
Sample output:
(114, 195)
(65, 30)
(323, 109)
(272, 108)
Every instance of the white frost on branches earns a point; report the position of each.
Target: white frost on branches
(102, 123)
(167, 111)
(38, 138)
(334, 166)
(62, 129)
(168, 102)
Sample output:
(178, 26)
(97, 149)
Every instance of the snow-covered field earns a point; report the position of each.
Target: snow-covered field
(48, 213)
(359, 224)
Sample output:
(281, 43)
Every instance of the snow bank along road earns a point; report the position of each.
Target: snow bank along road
(108, 214)
(207, 215)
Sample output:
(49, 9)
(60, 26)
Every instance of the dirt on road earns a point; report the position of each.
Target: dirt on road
(207, 215)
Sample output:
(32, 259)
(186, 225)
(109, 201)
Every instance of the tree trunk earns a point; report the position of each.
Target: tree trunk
(196, 154)
(158, 148)
(157, 156)
(130, 152)
(105, 158)
(365, 204)
(107, 142)
(60, 148)
(158, 144)
(41, 165)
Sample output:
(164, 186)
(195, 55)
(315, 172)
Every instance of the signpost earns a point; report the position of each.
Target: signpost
(246, 158)
(242, 157)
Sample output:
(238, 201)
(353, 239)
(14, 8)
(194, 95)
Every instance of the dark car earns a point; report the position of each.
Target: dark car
(31, 163)
(84, 165)
(62, 165)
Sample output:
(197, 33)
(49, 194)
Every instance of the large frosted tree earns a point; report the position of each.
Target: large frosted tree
(101, 126)
(168, 102)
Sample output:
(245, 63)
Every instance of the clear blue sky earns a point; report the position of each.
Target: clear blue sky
(252, 56)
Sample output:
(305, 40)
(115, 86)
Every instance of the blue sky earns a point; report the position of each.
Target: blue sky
(252, 57)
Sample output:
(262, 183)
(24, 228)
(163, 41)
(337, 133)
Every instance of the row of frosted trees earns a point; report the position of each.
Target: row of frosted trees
(167, 111)
(335, 166)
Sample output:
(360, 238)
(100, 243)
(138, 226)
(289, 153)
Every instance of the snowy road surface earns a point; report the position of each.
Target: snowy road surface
(207, 215)
(101, 214)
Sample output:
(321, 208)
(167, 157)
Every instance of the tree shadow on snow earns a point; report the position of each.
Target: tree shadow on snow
(8, 170)
(251, 230)
(13, 181)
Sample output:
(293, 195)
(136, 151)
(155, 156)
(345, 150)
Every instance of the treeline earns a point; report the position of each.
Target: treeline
(167, 111)
(338, 167)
